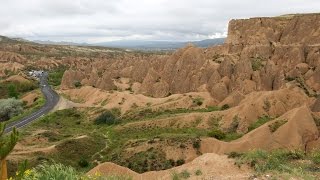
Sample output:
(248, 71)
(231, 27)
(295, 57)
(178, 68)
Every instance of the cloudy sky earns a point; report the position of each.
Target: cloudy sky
(107, 20)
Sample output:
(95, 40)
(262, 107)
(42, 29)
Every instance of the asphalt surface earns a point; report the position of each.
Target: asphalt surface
(51, 98)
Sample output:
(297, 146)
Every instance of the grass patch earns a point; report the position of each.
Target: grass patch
(278, 162)
(16, 89)
(55, 76)
(151, 114)
(274, 126)
(261, 121)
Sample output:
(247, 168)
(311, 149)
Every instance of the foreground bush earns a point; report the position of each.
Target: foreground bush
(9, 108)
(62, 172)
(53, 171)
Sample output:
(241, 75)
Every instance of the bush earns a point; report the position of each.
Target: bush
(83, 163)
(234, 154)
(261, 120)
(198, 172)
(262, 161)
(180, 162)
(77, 84)
(12, 91)
(315, 158)
(256, 63)
(274, 126)
(107, 118)
(51, 171)
(198, 101)
(234, 125)
(217, 133)
(185, 174)
(196, 144)
(9, 108)
(225, 107)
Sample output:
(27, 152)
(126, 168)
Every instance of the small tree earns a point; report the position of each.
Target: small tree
(6, 146)
(9, 108)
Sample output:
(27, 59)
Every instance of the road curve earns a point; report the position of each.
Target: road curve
(51, 98)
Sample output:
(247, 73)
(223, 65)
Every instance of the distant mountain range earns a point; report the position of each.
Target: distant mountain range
(160, 45)
(127, 44)
(143, 45)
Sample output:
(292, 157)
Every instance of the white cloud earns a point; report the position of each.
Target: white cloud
(101, 20)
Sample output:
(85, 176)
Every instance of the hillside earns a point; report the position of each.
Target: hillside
(173, 115)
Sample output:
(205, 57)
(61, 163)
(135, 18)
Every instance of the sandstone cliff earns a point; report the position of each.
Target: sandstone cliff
(259, 54)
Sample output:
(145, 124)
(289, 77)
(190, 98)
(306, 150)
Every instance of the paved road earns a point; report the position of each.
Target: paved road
(52, 99)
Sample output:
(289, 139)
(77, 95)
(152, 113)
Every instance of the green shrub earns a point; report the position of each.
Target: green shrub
(198, 172)
(12, 91)
(180, 162)
(234, 124)
(107, 118)
(232, 136)
(198, 101)
(277, 160)
(83, 163)
(261, 120)
(274, 126)
(234, 154)
(185, 174)
(51, 171)
(10, 108)
(196, 144)
(225, 107)
(77, 84)
(256, 63)
(217, 133)
(315, 158)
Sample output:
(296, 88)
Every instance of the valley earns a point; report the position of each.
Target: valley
(249, 108)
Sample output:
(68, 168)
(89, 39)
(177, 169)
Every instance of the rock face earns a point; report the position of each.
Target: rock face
(259, 54)
(297, 131)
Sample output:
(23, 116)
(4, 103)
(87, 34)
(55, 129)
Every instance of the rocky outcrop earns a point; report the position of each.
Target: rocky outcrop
(297, 131)
(260, 54)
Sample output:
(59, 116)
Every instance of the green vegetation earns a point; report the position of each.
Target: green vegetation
(185, 174)
(7, 143)
(198, 172)
(150, 160)
(73, 148)
(234, 124)
(274, 126)
(256, 63)
(107, 118)
(9, 108)
(197, 101)
(77, 84)
(217, 133)
(29, 110)
(148, 113)
(57, 171)
(294, 163)
(261, 121)
(51, 171)
(225, 107)
(16, 89)
(12, 91)
(55, 76)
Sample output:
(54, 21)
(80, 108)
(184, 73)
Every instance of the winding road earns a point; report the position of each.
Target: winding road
(51, 98)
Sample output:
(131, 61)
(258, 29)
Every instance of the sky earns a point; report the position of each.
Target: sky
(94, 21)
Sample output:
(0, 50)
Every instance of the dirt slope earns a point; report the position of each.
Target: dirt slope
(211, 165)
